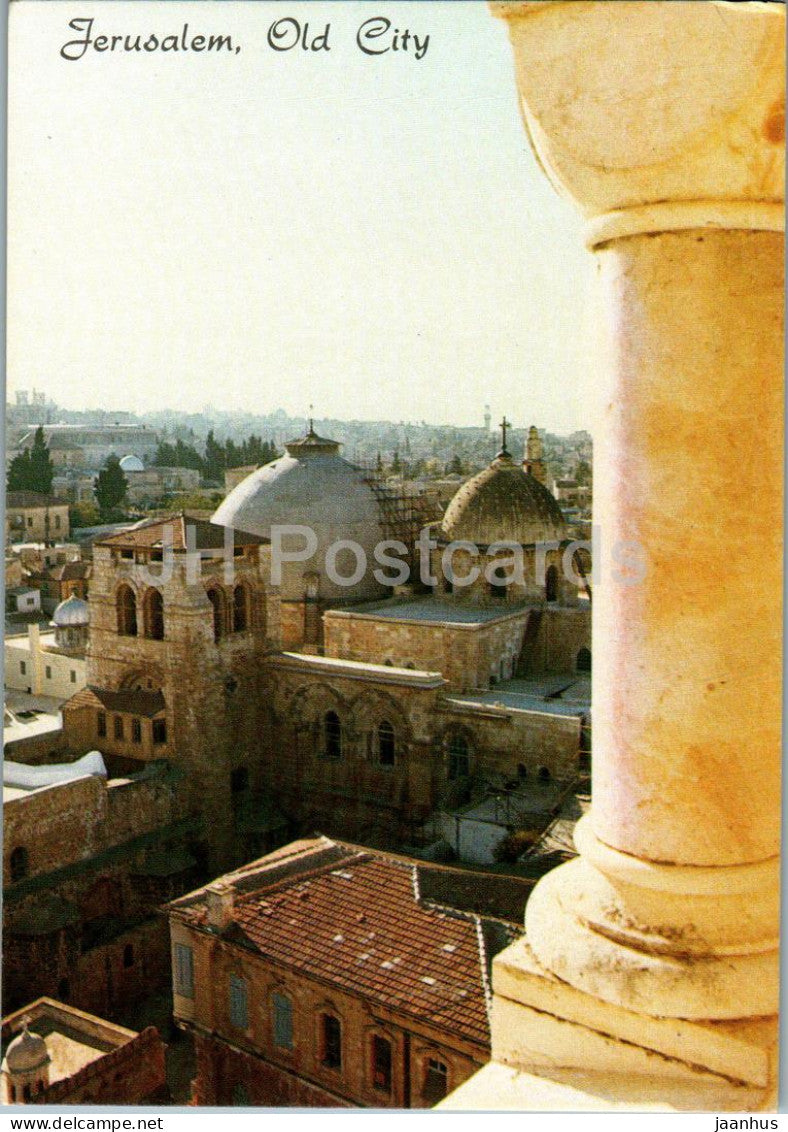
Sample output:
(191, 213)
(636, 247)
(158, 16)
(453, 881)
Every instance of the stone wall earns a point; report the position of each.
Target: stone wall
(101, 858)
(466, 655)
(37, 524)
(132, 1073)
(511, 744)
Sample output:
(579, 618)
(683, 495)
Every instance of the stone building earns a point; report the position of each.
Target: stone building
(174, 659)
(54, 1054)
(288, 698)
(147, 486)
(79, 445)
(91, 848)
(323, 975)
(50, 664)
(32, 516)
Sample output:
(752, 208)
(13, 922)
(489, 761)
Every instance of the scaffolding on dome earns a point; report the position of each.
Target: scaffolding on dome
(403, 515)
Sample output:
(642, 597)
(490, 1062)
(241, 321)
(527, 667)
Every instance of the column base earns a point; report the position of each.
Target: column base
(662, 940)
(557, 1048)
(502, 1088)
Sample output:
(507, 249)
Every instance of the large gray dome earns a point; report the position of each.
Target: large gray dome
(311, 486)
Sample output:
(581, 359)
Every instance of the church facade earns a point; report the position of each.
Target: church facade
(297, 693)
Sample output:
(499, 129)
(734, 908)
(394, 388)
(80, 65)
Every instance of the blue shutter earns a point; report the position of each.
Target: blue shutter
(283, 1022)
(239, 1007)
(184, 970)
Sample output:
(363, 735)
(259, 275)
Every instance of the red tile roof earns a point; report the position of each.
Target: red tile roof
(71, 571)
(132, 701)
(355, 918)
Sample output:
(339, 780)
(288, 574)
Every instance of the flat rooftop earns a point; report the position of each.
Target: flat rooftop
(568, 695)
(432, 611)
(27, 716)
(21, 639)
(73, 1038)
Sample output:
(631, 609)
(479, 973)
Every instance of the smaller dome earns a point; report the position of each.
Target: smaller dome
(503, 504)
(26, 1052)
(132, 464)
(73, 611)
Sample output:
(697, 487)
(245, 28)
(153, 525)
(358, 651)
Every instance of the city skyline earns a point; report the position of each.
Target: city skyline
(179, 222)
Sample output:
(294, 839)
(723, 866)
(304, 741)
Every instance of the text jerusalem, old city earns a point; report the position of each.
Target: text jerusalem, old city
(375, 36)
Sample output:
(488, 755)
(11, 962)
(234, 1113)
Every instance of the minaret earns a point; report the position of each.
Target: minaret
(487, 419)
(533, 464)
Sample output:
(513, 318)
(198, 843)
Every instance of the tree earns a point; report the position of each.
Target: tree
(19, 474)
(42, 470)
(32, 470)
(83, 514)
(396, 463)
(583, 472)
(215, 458)
(178, 455)
(454, 466)
(110, 486)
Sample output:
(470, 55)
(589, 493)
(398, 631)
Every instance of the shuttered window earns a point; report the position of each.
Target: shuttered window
(239, 1002)
(283, 1021)
(184, 970)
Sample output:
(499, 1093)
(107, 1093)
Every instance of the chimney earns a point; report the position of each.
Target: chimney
(219, 903)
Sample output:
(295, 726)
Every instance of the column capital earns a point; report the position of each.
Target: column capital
(635, 108)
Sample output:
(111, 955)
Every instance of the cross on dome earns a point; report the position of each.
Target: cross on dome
(504, 426)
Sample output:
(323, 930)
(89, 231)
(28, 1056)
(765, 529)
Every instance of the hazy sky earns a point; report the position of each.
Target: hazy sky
(262, 229)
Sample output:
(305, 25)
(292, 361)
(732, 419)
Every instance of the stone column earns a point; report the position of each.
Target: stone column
(664, 123)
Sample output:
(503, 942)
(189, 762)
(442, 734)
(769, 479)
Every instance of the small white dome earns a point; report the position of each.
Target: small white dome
(26, 1052)
(132, 464)
(71, 612)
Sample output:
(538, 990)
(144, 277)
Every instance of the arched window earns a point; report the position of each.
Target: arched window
(584, 660)
(544, 774)
(240, 609)
(551, 584)
(20, 863)
(459, 756)
(216, 598)
(386, 743)
(332, 736)
(127, 612)
(153, 609)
